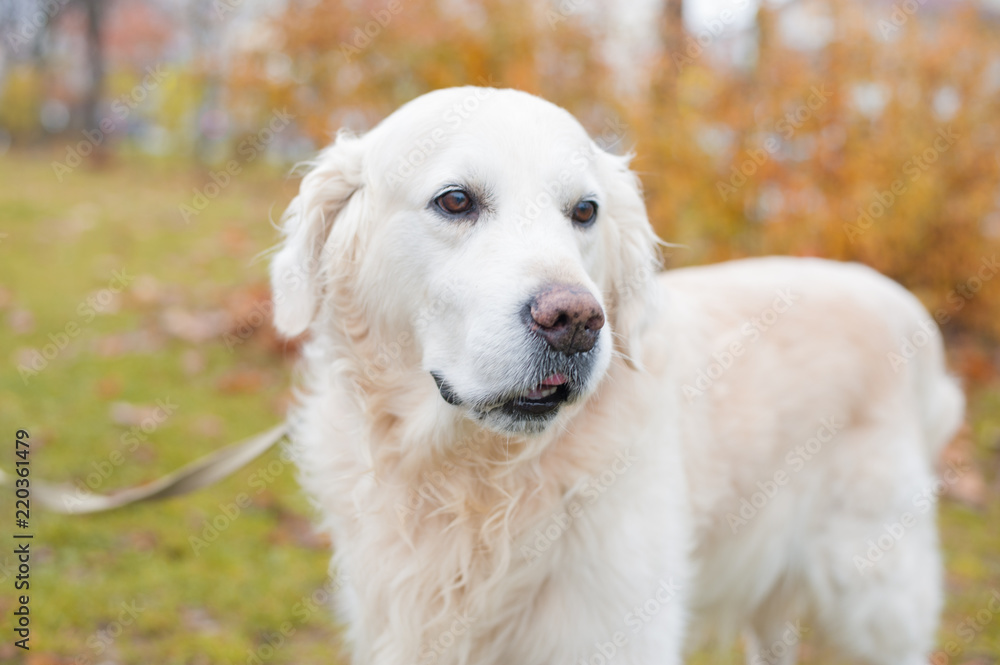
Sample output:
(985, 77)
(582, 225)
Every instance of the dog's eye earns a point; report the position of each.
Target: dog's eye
(584, 213)
(455, 202)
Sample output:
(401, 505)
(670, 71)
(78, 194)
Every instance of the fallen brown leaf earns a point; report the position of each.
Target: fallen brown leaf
(131, 415)
(241, 381)
(21, 321)
(970, 486)
(195, 327)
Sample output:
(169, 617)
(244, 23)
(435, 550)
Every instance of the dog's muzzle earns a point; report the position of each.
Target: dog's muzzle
(563, 325)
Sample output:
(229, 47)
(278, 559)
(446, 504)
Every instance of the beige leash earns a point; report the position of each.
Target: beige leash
(203, 472)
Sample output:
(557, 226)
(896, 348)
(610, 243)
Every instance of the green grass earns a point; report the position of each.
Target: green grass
(63, 241)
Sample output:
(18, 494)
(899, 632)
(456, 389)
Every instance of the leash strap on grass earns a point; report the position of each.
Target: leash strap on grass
(203, 472)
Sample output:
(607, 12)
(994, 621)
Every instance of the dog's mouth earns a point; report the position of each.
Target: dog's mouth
(536, 404)
(541, 399)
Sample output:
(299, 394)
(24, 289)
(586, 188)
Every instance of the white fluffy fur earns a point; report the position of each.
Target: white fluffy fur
(455, 532)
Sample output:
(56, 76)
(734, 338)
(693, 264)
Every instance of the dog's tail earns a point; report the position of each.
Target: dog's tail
(940, 398)
(944, 413)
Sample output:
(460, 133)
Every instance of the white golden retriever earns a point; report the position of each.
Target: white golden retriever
(530, 448)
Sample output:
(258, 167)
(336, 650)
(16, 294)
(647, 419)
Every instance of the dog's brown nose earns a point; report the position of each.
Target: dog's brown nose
(569, 318)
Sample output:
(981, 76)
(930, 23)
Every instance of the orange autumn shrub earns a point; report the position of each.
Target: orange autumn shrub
(881, 146)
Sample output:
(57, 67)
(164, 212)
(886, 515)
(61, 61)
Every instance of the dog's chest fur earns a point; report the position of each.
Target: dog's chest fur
(449, 539)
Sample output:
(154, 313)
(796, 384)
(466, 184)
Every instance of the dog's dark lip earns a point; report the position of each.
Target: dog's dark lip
(519, 406)
(524, 407)
(448, 393)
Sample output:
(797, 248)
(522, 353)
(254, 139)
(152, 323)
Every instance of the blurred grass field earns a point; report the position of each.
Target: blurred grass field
(183, 331)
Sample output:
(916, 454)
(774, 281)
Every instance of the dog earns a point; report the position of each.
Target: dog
(530, 444)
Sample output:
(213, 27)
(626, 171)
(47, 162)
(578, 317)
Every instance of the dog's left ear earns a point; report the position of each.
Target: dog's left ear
(634, 258)
(300, 266)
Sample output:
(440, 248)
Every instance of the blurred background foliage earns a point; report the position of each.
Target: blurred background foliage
(831, 102)
(853, 130)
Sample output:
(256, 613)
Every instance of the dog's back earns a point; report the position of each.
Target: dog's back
(816, 402)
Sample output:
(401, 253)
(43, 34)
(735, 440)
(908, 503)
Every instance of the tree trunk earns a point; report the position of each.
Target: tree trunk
(95, 60)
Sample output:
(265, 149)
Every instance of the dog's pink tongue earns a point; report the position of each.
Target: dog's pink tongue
(546, 387)
(554, 380)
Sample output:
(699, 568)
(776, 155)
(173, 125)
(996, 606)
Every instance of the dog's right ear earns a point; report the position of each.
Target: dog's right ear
(298, 268)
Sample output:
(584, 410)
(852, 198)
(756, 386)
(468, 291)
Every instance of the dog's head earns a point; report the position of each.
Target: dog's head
(481, 238)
